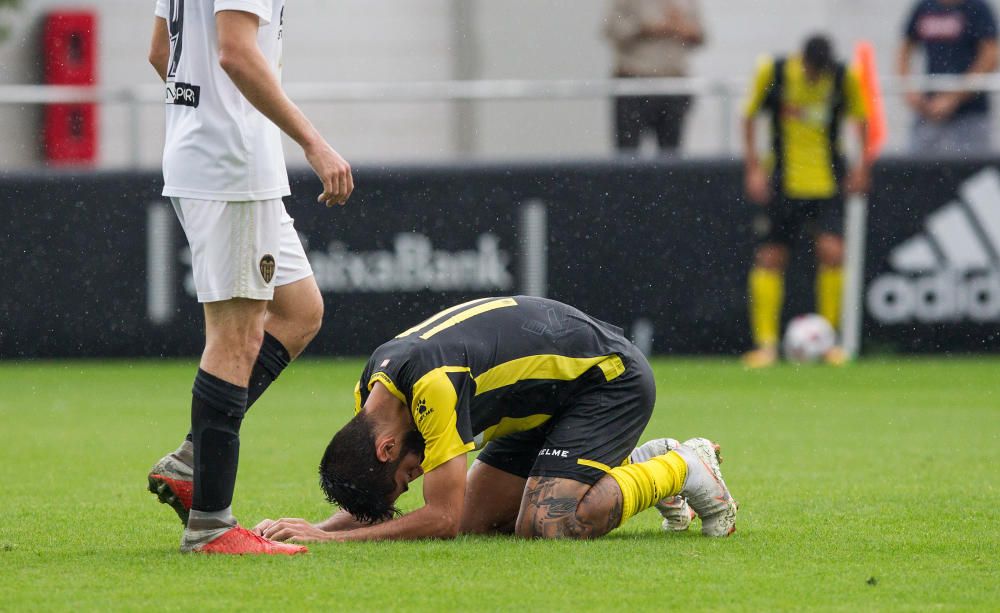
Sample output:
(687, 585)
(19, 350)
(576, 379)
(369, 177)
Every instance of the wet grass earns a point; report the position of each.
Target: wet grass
(870, 487)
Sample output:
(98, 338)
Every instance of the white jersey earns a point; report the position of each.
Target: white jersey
(218, 146)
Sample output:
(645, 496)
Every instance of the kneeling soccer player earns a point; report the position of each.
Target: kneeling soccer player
(558, 397)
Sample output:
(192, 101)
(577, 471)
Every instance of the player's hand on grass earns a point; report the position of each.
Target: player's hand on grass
(291, 529)
(262, 526)
(757, 184)
(334, 171)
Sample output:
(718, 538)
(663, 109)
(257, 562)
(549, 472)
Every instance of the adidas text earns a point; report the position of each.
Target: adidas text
(939, 298)
(950, 272)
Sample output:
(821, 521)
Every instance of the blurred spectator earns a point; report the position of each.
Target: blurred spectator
(652, 38)
(958, 37)
(800, 189)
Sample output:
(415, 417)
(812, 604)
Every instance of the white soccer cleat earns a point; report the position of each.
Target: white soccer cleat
(676, 513)
(704, 488)
(653, 448)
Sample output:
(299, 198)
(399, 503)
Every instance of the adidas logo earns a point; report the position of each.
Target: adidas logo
(950, 272)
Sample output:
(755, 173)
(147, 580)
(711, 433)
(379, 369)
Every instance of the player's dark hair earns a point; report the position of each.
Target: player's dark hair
(818, 53)
(352, 476)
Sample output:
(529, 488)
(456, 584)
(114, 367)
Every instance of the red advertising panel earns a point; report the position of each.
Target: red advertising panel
(69, 52)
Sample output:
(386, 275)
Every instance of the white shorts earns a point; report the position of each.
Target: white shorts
(241, 249)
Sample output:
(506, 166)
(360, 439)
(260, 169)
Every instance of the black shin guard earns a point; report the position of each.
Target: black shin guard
(217, 409)
(272, 359)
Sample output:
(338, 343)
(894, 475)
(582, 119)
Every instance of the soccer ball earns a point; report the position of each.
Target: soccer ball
(808, 338)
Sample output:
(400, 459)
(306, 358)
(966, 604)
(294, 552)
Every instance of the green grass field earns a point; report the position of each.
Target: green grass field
(869, 487)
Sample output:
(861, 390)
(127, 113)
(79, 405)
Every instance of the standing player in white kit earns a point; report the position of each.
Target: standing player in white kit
(224, 171)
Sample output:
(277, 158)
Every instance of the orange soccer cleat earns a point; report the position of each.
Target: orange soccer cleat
(240, 541)
(172, 482)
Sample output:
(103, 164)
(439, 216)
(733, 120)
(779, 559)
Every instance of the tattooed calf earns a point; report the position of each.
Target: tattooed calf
(560, 508)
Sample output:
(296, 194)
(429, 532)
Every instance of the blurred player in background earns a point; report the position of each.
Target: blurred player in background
(652, 38)
(800, 186)
(957, 37)
(224, 171)
(558, 398)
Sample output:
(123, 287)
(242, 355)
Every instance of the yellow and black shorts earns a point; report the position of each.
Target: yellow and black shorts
(594, 433)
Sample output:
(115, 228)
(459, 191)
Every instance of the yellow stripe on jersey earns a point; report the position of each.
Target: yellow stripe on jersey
(613, 367)
(438, 316)
(468, 314)
(381, 377)
(510, 425)
(546, 366)
(357, 397)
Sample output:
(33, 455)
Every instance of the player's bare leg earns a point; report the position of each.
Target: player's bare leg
(234, 331)
(563, 508)
(766, 292)
(830, 287)
(292, 320)
(233, 336)
(492, 500)
(295, 315)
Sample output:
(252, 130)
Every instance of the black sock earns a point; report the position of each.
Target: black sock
(217, 409)
(272, 359)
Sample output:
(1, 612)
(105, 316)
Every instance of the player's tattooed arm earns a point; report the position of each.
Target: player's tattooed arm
(563, 508)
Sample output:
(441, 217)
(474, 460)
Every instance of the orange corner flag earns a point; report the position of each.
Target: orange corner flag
(864, 57)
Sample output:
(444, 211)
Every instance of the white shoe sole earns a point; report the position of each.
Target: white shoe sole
(713, 503)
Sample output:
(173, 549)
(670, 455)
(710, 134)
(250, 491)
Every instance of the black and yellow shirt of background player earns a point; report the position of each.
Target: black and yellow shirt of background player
(806, 133)
(491, 367)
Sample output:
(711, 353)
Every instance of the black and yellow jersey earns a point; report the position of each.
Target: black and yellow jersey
(805, 122)
(491, 367)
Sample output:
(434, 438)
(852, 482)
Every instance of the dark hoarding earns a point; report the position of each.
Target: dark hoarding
(96, 264)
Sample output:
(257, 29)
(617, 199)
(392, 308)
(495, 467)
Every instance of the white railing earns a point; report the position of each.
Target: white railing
(724, 91)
